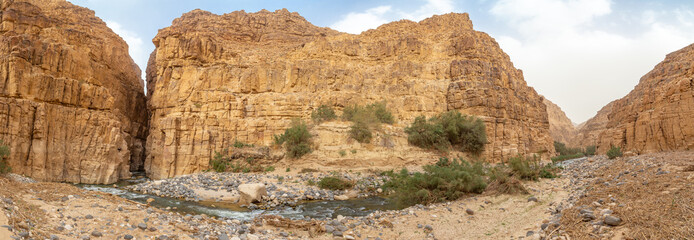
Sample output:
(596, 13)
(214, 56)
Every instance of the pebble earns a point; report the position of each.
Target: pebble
(128, 237)
(428, 228)
(532, 199)
(612, 220)
(469, 211)
(89, 216)
(96, 234)
(142, 226)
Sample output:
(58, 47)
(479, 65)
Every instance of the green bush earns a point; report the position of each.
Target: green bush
(360, 131)
(444, 181)
(334, 183)
(219, 162)
(565, 151)
(296, 139)
(342, 153)
(323, 113)
(427, 135)
(381, 112)
(614, 152)
(4, 154)
(370, 114)
(530, 168)
(448, 129)
(590, 150)
(240, 144)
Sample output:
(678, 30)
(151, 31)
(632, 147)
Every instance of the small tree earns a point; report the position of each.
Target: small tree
(296, 139)
(4, 154)
(360, 131)
(323, 113)
(614, 152)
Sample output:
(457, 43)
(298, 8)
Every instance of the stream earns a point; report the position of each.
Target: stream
(305, 210)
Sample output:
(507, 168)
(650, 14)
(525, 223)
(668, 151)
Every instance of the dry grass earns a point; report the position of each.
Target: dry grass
(662, 208)
(314, 227)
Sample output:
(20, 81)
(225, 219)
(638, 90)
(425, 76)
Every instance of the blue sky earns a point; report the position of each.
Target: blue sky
(580, 54)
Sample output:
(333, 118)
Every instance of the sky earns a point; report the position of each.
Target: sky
(579, 54)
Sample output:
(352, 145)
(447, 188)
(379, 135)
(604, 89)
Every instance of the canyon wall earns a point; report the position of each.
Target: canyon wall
(72, 102)
(214, 79)
(560, 126)
(657, 115)
(588, 133)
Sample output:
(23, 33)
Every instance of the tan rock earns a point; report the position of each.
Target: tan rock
(589, 131)
(216, 78)
(657, 115)
(560, 126)
(71, 100)
(251, 193)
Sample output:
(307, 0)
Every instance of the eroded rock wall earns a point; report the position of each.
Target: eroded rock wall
(657, 115)
(72, 102)
(214, 79)
(560, 126)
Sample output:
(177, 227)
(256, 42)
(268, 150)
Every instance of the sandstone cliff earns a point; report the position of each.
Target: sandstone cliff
(216, 78)
(71, 100)
(657, 115)
(560, 127)
(588, 132)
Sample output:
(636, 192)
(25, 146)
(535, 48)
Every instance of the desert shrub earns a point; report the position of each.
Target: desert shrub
(270, 169)
(323, 113)
(381, 113)
(296, 139)
(240, 144)
(561, 148)
(530, 168)
(342, 153)
(334, 183)
(4, 154)
(590, 150)
(444, 181)
(502, 181)
(360, 131)
(219, 162)
(426, 134)
(614, 152)
(370, 114)
(448, 129)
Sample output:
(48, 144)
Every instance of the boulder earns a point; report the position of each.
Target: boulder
(251, 193)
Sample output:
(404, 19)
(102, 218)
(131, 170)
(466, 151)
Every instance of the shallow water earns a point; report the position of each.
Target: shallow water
(311, 209)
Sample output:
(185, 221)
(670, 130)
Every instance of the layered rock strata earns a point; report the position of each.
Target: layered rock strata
(72, 102)
(657, 115)
(214, 79)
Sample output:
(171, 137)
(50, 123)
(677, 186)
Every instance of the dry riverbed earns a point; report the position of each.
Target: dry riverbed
(552, 209)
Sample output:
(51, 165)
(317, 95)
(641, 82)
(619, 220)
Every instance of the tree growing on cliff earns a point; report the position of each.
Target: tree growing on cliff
(4, 154)
(323, 113)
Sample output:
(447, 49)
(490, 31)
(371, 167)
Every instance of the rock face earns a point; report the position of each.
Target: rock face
(560, 127)
(71, 99)
(214, 79)
(588, 133)
(657, 115)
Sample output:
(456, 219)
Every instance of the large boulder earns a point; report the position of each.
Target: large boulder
(251, 193)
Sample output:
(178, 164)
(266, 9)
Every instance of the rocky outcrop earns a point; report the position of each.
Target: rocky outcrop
(243, 76)
(657, 115)
(72, 102)
(588, 132)
(560, 127)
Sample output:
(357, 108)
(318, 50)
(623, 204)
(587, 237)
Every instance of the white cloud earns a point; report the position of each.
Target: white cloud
(566, 56)
(136, 47)
(356, 22)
